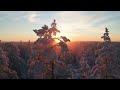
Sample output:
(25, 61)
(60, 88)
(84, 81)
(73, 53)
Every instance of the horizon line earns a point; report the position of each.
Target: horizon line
(71, 41)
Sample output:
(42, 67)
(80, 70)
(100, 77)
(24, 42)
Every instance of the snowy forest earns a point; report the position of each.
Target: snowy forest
(47, 59)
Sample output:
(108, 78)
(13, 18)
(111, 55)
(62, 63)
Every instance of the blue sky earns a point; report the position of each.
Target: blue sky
(76, 25)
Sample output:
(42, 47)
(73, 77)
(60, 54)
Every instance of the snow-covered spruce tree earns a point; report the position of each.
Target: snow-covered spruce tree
(65, 54)
(84, 70)
(4, 60)
(41, 63)
(114, 66)
(15, 62)
(102, 62)
(44, 63)
(25, 50)
(38, 67)
(5, 72)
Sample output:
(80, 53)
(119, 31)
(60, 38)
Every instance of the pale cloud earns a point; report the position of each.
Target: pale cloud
(18, 15)
(32, 18)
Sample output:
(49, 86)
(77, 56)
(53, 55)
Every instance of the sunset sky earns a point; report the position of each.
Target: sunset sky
(76, 25)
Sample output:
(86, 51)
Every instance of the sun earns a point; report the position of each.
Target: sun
(58, 35)
(57, 41)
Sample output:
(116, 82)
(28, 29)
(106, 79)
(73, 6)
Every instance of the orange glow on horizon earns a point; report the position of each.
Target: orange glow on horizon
(72, 38)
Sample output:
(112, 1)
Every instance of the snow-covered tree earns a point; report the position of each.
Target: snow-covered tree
(4, 60)
(15, 62)
(5, 72)
(105, 54)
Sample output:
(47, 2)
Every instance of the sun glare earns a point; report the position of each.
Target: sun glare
(57, 41)
(58, 35)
